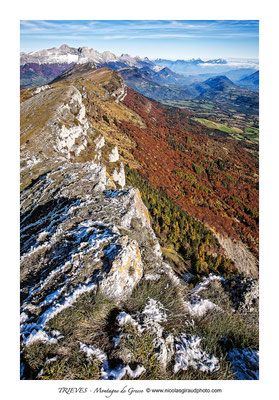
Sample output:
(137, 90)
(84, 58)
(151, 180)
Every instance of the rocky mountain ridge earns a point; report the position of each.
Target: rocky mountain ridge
(98, 300)
(67, 54)
(137, 124)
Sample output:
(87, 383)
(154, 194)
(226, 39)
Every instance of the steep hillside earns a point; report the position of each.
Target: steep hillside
(167, 85)
(98, 299)
(33, 74)
(250, 81)
(212, 178)
(75, 71)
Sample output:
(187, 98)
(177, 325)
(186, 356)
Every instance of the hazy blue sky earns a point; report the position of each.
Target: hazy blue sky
(155, 39)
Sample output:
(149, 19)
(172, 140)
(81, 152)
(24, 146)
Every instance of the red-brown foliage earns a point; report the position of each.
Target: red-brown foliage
(214, 179)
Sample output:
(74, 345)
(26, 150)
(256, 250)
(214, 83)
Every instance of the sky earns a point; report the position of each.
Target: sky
(171, 39)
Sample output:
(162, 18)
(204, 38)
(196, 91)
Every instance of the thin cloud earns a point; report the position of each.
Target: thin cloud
(146, 28)
(205, 34)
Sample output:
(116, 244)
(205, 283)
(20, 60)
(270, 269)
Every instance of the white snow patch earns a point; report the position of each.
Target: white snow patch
(31, 162)
(37, 329)
(69, 300)
(189, 354)
(123, 318)
(106, 372)
(40, 373)
(83, 245)
(50, 360)
(56, 333)
(91, 351)
(154, 312)
(149, 320)
(119, 372)
(199, 307)
(153, 315)
(175, 280)
(79, 206)
(34, 250)
(203, 285)
(40, 336)
(152, 277)
(23, 317)
(157, 68)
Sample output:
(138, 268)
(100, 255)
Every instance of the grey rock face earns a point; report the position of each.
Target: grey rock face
(114, 156)
(75, 238)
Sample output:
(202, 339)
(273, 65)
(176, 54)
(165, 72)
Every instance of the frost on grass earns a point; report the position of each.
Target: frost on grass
(152, 277)
(186, 349)
(205, 283)
(149, 321)
(153, 313)
(34, 331)
(189, 354)
(123, 318)
(40, 336)
(108, 373)
(198, 307)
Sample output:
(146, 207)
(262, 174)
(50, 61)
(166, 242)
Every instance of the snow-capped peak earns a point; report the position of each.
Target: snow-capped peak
(80, 55)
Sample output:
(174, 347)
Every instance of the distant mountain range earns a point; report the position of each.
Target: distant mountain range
(213, 67)
(157, 84)
(188, 65)
(160, 79)
(167, 85)
(81, 55)
(41, 67)
(223, 91)
(68, 55)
